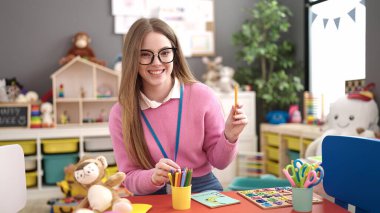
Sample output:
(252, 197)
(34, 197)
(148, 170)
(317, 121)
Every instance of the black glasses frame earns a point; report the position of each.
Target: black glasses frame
(158, 55)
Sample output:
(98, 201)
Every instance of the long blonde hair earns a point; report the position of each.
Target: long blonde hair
(131, 83)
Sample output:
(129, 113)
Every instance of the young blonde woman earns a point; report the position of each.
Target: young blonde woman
(165, 119)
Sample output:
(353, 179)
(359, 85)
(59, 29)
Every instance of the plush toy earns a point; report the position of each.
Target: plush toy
(118, 64)
(277, 117)
(3, 91)
(47, 114)
(353, 115)
(13, 89)
(294, 114)
(69, 187)
(226, 82)
(212, 76)
(81, 47)
(101, 196)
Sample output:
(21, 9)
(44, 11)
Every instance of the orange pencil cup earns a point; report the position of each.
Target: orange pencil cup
(181, 197)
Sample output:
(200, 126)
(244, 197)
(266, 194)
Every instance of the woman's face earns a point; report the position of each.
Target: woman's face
(156, 74)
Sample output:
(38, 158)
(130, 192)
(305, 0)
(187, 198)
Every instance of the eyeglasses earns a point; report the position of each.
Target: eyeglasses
(165, 56)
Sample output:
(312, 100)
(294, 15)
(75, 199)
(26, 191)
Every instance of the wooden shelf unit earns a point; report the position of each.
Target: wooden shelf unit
(282, 143)
(37, 136)
(88, 92)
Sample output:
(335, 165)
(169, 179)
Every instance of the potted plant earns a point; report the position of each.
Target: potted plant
(269, 62)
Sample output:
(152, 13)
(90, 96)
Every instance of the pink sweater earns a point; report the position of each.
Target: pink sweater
(202, 142)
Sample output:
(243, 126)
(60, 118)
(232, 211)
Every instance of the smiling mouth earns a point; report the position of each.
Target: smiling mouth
(156, 72)
(343, 126)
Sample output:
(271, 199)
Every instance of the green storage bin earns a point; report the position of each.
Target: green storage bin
(293, 155)
(54, 165)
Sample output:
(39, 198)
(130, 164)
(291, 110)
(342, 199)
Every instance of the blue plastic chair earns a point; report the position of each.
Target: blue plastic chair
(352, 171)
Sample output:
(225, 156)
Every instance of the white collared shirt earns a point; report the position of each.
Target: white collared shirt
(146, 103)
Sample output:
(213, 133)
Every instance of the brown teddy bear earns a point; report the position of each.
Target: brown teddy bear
(81, 47)
(100, 196)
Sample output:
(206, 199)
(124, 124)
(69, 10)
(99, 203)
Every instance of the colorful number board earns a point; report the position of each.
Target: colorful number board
(273, 197)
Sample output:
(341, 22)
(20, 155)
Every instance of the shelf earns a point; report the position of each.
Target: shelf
(79, 132)
(284, 142)
(66, 100)
(88, 97)
(104, 99)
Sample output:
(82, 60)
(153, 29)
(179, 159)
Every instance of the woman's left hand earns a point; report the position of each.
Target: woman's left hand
(235, 123)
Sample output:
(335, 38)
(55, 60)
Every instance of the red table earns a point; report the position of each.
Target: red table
(162, 204)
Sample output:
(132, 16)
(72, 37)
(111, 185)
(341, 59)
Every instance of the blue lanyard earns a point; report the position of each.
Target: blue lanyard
(178, 128)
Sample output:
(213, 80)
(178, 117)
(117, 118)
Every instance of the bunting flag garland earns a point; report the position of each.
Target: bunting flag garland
(336, 20)
(351, 13)
(313, 16)
(325, 21)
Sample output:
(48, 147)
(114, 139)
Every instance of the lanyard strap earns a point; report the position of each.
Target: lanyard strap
(178, 128)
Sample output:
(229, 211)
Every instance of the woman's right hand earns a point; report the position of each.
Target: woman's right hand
(161, 170)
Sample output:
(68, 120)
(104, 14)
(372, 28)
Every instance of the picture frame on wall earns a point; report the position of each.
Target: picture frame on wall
(192, 21)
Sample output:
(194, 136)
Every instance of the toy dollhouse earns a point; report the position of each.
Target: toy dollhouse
(83, 92)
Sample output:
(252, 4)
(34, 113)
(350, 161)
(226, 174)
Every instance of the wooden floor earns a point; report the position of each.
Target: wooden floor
(36, 206)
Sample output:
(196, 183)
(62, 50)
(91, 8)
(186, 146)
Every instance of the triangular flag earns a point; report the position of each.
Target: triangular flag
(325, 20)
(313, 17)
(362, 2)
(337, 20)
(352, 13)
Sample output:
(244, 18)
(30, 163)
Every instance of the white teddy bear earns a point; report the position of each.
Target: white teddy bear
(352, 115)
(47, 114)
(226, 82)
(212, 76)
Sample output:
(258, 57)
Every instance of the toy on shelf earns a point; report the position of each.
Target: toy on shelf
(313, 109)
(35, 116)
(101, 197)
(277, 117)
(118, 64)
(61, 91)
(102, 116)
(47, 115)
(211, 77)
(104, 91)
(88, 118)
(64, 117)
(81, 47)
(294, 114)
(355, 114)
(82, 92)
(13, 91)
(3, 91)
(226, 82)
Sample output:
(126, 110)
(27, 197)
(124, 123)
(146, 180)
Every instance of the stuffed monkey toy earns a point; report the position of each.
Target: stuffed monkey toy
(81, 47)
(100, 196)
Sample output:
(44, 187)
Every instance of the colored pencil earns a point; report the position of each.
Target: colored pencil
(236, 95)
(170, 178)
(176, 179)
(183, 178)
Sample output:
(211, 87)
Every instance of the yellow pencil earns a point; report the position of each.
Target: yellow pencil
(170, 178)
(236, 95)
